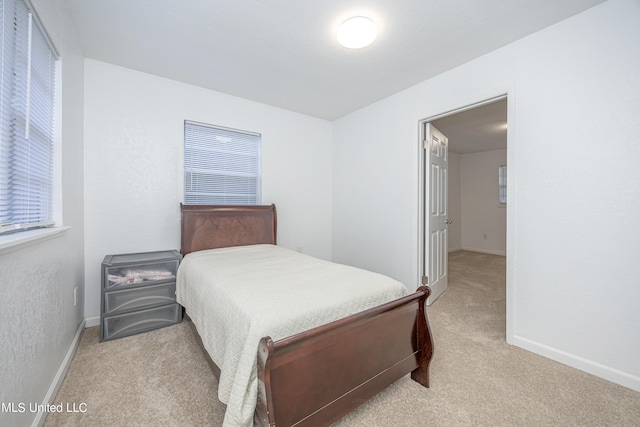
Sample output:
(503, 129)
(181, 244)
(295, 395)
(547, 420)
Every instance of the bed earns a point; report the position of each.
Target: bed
(297, 343)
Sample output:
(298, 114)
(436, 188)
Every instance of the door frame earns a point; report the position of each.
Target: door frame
(423, 185)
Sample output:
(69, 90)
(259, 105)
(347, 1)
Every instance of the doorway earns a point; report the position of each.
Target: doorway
(475, 216)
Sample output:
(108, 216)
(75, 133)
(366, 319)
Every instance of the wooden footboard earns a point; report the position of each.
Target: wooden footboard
(315, 377)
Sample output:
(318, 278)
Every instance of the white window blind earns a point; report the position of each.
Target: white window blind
(502, 184)
(221, 166)
(26, 120)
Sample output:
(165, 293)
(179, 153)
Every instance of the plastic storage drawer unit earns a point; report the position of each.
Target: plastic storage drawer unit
(122, 325)
(146, 296)
(138, 293)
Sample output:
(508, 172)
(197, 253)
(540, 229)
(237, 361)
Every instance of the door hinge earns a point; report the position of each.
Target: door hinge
(425, 280)
(425, 144)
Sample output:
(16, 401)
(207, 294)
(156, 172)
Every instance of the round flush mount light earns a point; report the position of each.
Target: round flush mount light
(357, 32)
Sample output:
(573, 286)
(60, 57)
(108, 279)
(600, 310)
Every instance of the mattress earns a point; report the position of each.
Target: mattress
(235, 296)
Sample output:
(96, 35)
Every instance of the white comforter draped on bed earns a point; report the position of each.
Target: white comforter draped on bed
(235, 296)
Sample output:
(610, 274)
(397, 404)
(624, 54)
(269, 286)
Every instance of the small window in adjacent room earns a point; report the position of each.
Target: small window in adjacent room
(502, 185)
(27, 112)
(221, 166)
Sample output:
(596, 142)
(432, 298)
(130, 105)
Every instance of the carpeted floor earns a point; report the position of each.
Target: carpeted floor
(161, 378)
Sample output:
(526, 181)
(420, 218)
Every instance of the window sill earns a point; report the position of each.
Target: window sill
(12, 242)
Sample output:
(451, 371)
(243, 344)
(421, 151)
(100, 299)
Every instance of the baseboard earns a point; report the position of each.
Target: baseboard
(92, 321)
(622, 378)
(485, 251)
(62, 372)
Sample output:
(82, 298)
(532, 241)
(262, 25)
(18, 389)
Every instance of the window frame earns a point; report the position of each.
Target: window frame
(37, 50)
(502, 185)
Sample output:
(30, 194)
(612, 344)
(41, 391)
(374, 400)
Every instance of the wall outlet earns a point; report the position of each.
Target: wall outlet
(75, 296)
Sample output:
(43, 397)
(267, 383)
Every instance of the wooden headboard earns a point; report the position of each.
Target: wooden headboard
(221, 226)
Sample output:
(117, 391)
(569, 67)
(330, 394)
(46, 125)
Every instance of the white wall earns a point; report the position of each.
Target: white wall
(38, 321)
(454, 203)
(484, 220)
(574, 184)
(134, 129)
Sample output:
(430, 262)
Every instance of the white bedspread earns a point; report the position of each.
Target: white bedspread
(235, 296)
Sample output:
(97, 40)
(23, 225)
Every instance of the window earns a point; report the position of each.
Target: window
(502, 185)
(221, 166)
(26, 119)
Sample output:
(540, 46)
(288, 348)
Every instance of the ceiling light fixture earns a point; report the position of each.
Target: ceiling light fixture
(357, 32)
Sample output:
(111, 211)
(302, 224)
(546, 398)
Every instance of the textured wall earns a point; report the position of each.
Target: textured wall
(484, 220)
(134, 137)
(38, 320)
(455, 202)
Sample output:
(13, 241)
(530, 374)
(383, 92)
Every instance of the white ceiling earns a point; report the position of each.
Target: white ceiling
(283, 52)
(478, 129)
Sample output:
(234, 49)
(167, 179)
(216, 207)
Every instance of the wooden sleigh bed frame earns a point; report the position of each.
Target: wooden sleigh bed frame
(315, 377)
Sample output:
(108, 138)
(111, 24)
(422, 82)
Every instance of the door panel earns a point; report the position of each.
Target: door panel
(435, 227)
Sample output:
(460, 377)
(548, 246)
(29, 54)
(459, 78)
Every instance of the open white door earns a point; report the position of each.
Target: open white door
(435, 239)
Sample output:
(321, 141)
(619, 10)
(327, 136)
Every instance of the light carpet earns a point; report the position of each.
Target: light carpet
(161, 378)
